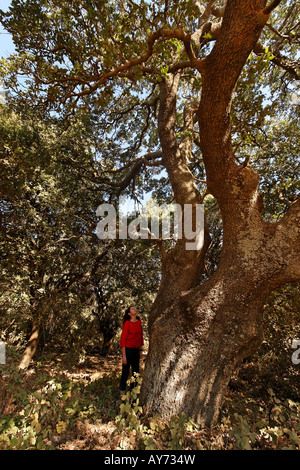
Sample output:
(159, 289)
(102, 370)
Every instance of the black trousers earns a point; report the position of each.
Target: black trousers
(133, 361)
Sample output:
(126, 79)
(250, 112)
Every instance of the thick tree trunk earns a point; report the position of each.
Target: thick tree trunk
(197, 344)
(199, 335)
(200, 339)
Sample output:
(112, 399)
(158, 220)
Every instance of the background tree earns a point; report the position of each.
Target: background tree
(164, 76)
(37, 200)
(50, 253)
(127, 276)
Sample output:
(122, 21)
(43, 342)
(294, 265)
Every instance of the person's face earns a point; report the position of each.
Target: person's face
(132, 312)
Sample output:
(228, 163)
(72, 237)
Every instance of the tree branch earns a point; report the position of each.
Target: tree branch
(90, 230)
(271, 7)
(228, 182)
(175, 161)
(287, 64)
(136, 168)
(287, 237)
(162, 33)
(188, 130)
(219, 12)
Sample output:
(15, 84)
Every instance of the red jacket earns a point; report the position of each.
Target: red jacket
(132, 335)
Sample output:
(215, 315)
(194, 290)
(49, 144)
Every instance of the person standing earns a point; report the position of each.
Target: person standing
(131, 343)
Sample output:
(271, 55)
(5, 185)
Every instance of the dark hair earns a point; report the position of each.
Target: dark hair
(127, 316)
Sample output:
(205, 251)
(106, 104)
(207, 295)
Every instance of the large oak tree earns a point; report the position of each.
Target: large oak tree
(161, 78)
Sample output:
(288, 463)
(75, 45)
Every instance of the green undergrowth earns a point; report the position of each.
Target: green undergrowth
(278, 429)
(48, 407)
(42, 408)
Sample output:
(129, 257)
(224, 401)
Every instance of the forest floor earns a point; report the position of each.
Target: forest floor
(66, 404)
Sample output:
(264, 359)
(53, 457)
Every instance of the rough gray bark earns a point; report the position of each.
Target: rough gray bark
(199, 335)
(203, 336)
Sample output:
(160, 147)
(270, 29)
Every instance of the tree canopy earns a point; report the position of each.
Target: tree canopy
(108, 58)
(195, 102)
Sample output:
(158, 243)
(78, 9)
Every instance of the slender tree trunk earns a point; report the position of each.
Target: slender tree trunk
(107, 342)
(31, 345)
(199, 335)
